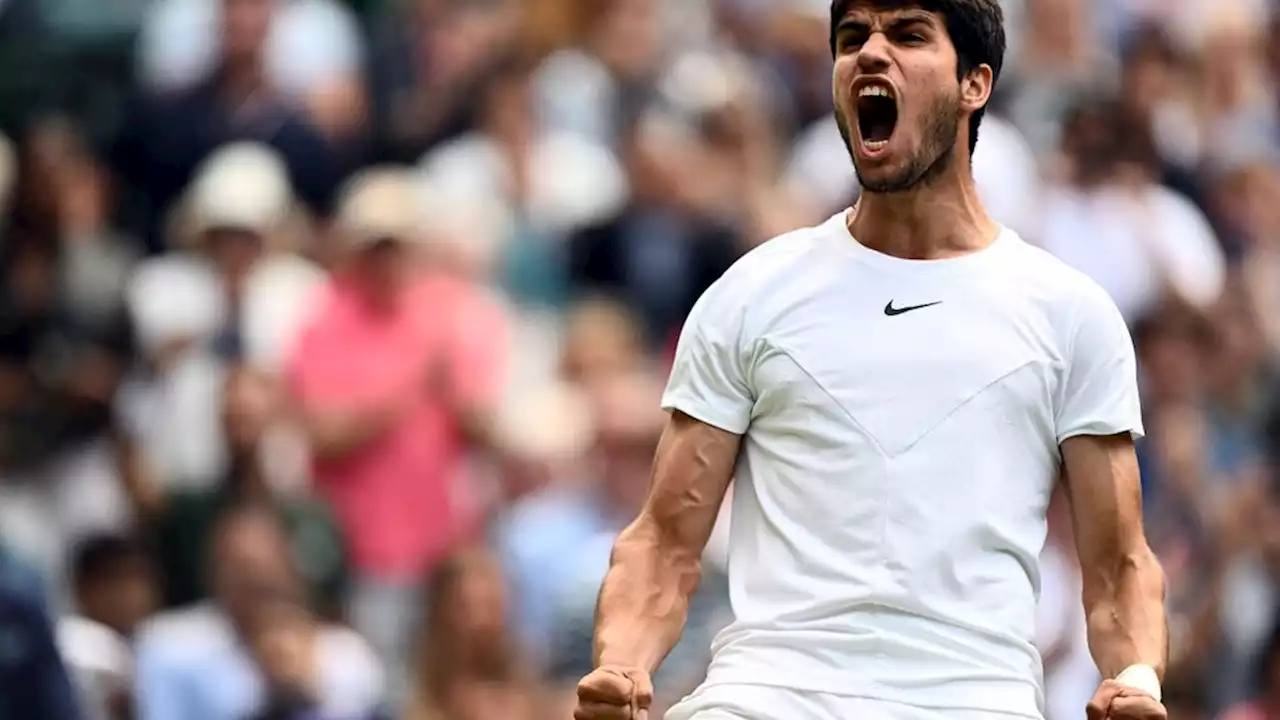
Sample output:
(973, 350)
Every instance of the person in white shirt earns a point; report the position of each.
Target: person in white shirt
(895, 394)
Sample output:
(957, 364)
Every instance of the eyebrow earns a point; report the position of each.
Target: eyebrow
(908, 17)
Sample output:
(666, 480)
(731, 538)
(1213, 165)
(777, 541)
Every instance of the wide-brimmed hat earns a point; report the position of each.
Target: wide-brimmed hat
(380, 203)
(241, 186)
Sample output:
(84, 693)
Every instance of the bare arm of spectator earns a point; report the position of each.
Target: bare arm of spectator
(138, 477)
(337, 432)
(335, 426)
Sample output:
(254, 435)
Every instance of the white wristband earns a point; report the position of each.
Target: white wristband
(1142, 678)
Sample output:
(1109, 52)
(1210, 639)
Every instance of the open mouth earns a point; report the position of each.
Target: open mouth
(877, 115)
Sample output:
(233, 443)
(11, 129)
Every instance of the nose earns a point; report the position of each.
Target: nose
(873, 56)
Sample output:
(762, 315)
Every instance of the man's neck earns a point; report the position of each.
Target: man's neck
(944, 219)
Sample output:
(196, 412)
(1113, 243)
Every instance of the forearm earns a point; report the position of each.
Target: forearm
(644, 601)
(334, 435)
(1126, 616)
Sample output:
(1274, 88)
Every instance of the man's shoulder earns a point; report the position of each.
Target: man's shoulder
(781, 257)
(1053, 281)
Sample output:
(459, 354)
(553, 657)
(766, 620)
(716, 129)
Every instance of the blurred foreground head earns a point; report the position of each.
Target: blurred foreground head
(380, 226)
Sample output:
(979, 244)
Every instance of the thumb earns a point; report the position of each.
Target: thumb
(642, 715)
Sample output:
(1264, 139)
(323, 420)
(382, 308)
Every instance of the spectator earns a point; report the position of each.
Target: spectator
(115, 590)
(236, 295)
(607, 74)
(285, 639)
(34, 685)
(313, 54)
(657, 254)
(550, 183)
(192, 663)
(64, 346)
(167, 136)
(555, 545)
(429, 56)
(1266, 704)
(181, 518)
(401, 365)
(468, 668)
(602, 340)
(1142, 242)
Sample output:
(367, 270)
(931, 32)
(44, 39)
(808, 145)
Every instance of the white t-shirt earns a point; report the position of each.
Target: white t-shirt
(901, 424)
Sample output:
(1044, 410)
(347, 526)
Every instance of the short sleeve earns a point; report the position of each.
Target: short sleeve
(1099, 395)
(708, 378)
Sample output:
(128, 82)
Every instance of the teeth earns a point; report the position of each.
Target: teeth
(874, 90)
(875, 144)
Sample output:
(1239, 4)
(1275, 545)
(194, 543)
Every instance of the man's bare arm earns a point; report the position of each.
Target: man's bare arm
(335, 434)
(657, 560)
(1123, 581)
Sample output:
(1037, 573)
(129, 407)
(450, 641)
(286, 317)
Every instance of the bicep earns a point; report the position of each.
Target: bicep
(1104, 488)
(691, 474)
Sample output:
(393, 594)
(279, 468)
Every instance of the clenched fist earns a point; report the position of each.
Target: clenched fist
(1115, 701)
(612, 692)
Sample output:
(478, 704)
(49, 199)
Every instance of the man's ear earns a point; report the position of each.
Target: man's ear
(975, 88)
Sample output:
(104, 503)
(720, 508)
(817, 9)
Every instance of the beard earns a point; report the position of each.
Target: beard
(941, 128)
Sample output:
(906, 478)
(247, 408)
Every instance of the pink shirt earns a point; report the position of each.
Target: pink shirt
(1246, 711)
(397, 497)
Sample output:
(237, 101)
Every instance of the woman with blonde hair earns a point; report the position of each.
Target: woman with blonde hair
(468, 667)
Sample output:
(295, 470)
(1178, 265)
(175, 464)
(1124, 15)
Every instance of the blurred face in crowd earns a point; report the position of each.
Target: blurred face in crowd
(627, 36)
(508, 106)
(249, 402)
(234, 251)
(382, 270)
(124, 596)
(898, 102)
(472, 610)
(1151, 74)
(1169, 357)
(1235, 350)
(245, 26)
(251, 563)
(628, 425)
(603, 339)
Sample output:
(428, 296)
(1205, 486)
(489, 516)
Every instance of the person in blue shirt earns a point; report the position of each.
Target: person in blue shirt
(34, 684)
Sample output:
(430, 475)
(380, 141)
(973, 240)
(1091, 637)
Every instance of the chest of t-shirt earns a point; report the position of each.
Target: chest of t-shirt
(896, 367)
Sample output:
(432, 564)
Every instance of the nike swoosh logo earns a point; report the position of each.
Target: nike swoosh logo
(890, 310)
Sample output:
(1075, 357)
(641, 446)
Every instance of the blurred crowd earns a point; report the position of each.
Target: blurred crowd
(332, 331)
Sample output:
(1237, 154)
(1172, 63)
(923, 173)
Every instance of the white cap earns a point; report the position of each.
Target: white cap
(381, 203)
(8, 170)
(244, 186)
